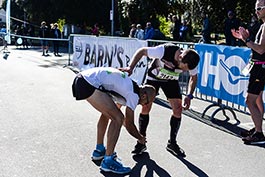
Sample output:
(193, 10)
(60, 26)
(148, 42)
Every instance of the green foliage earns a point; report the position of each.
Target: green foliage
(164, 26)
(61, 23)
(88, 12)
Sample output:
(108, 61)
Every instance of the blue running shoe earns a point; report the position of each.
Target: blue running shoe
(99, 152)
(114, 165)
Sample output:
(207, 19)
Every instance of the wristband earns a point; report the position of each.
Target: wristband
(190, 96)
(247, 40)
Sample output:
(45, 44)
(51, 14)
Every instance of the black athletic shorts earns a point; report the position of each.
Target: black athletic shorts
(256, 79)
(81, 88)
(170, 88)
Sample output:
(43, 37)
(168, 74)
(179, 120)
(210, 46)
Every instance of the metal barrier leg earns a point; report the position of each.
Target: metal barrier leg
(221, 108)
(208, 107)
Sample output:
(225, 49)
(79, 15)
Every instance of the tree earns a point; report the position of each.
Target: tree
(128, 11)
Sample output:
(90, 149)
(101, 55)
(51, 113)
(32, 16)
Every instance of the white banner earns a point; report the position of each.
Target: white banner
(92, 51)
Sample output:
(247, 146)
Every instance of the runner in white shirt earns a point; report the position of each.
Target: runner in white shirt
(168, 62)
(102, 87)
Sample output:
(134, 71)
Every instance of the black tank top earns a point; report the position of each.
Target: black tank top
(256, 55)
(169, 54)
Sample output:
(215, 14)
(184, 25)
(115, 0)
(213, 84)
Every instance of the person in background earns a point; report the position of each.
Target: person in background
(139, 34)
(168, 61)
(176, 28)
(132, 31)
(231, 22)
(206, 29)
(18, 40)
(95, 30)
(183, 31)
(44, 33)
(102, 87)
(57, 34)
(256, 69)
(149, 31)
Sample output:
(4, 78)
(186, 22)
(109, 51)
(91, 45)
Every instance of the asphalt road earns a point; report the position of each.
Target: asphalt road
(44, 132)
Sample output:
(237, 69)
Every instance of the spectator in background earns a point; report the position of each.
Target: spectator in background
(31, 33)
(132, 31)
(139, 34)
(231, 22)
(24, 30)
(206, 29)
(95, 30)
(171, 24)
(176, 27)
(253, 27)
(183, 31)
(31, 30)
(44, 33)
(56, 33)
(83, 29)
(149, 31)
(18, 40)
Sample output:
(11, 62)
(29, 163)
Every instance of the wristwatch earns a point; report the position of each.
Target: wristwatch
(247, 40)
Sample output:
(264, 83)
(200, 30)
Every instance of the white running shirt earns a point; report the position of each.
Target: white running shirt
(112, 79)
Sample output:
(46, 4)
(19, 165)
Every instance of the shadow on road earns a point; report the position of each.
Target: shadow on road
(109, 174)
(150, 165)
(193, 168)
(223, 125)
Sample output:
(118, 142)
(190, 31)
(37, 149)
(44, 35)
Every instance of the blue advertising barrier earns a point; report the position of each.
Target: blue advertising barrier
(220, 73)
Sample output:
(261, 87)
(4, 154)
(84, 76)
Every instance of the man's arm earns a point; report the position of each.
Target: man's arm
(192, 84)
(258, 47)
(191, 88)
(130, 126)
(243, 34)
(135, 59)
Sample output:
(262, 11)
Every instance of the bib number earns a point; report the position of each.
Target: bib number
(248, 68)
(167, 75)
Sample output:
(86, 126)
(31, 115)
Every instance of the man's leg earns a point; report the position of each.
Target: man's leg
(256, 115)
(99, 152)
(175, 122)
(254, 110)
(143, 124)
(144, 118)
(103, 103)
(259, 102)
(102, 126)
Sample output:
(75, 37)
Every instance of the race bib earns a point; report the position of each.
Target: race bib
(167, 75)
(248, 68)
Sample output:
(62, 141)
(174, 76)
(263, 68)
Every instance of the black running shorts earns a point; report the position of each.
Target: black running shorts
(256, 79)
(81, 88)
(170, 88)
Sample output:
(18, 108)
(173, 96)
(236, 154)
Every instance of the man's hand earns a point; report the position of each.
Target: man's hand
(127, 69)
(142, 140)
(241, 33)
(186, 104)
